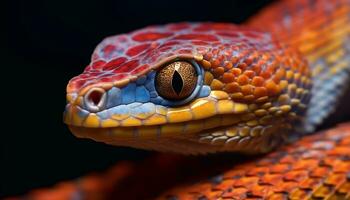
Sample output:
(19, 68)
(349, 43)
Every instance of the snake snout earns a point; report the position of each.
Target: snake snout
(95, 99)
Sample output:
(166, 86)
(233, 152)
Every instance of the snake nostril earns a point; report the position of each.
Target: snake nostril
(95, 99)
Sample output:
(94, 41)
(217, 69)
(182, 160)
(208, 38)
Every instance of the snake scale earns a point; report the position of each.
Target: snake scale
(206, 88)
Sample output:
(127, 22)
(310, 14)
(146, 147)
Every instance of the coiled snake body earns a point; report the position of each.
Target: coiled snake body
(198, 88)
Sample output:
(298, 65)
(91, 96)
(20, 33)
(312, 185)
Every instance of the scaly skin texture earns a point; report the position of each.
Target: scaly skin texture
(251, 73)
(252, 90)
(315, 167)
(320, 30)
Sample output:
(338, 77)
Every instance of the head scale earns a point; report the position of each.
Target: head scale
(189, 88)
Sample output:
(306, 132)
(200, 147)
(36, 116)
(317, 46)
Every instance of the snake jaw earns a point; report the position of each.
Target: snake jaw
(210, 124)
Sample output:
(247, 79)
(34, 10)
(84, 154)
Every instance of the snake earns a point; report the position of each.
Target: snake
(205, 88)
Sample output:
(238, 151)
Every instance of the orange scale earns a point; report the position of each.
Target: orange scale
(218, 71)
(243, 80)
(272, 69)
(305, 164)
(276, 79)
(242, 66)
(215, 63)
(275, 63)
(249, 73)
(247, 89)
(236, 71)
(258, 81)
(339, 151)
(258, 171)
(228, 65)
(296, 176)
(265, 74)
(342, 167)
(310, 183)
(259, 191)
(299, 194)
(345, 141)
(260, 92)
(224, 185)
(281, 73)
(232, 87)
(285, 187)
(227, 77)
(271, 179)
(246, 182)
(237, 193)
(256, 68)
(279, 168)
(272, 88)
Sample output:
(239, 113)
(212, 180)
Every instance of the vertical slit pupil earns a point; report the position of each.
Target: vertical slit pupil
(177, 82)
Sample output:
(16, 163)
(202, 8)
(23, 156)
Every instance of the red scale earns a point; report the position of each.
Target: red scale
(135, 53)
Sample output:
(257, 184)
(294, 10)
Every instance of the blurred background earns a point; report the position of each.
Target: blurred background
(46, 44)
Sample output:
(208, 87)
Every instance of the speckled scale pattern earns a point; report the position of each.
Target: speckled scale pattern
(320, 30)
(316, 167)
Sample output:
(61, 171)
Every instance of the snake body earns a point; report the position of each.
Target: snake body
(245, 88)
(211, 87)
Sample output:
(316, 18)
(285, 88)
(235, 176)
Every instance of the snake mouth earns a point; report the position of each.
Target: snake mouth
(167, 129)
(227, 131)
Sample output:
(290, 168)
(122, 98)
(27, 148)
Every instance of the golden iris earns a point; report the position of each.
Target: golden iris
(176, 80)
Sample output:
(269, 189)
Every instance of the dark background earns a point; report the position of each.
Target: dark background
(49, 42)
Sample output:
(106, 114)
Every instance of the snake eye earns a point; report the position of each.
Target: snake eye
(176, 81)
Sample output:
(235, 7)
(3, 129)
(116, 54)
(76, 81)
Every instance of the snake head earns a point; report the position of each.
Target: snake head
(190, 88)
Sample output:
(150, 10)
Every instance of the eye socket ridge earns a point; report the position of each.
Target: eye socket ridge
(178, 82)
